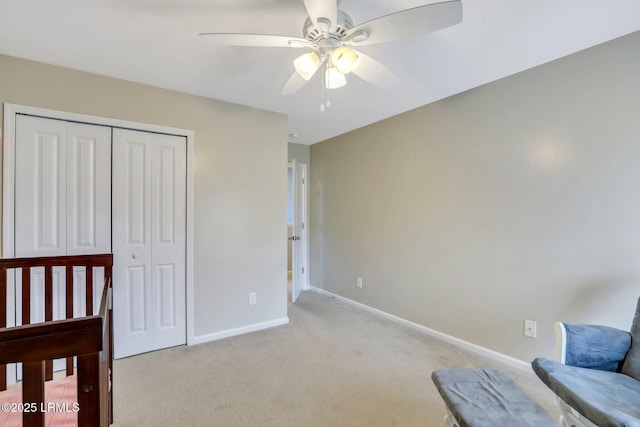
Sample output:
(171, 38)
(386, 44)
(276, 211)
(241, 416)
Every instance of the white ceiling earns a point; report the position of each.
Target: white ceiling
(156, 42)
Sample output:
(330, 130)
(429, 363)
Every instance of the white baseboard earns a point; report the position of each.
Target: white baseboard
(239, 331)
(512, 361)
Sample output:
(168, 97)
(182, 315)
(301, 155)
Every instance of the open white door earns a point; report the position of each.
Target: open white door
(298, 255)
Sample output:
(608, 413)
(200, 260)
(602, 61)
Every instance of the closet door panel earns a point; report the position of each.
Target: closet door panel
(40, 187)
(168, 239)
(88, 189)
(149, 193)
(40, 208)
(132, 293)
(62, 202)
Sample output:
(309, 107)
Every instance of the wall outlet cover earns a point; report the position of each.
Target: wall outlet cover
(530, 328)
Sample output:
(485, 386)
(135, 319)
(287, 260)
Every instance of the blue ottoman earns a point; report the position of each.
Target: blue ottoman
(487, 398)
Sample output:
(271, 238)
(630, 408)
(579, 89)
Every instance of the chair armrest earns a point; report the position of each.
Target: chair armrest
(591, 346)
(560, 351)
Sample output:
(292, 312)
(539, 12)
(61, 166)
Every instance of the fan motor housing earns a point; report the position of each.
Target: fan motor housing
(314, 34)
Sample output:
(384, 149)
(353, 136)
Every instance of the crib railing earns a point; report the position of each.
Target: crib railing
(89, 338)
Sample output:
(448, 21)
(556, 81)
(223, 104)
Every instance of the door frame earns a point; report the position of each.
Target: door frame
(8, 181)
(305, 231)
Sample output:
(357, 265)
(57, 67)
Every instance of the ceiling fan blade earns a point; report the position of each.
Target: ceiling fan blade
(259, 40)
(294, 84)
(322, 9)
(409, 22)
(372, 71)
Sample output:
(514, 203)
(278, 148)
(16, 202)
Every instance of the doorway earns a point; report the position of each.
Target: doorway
(297, 218)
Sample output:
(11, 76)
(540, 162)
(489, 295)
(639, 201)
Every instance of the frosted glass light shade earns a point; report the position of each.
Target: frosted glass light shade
(344, 59)
(306, 65)
(334, 79)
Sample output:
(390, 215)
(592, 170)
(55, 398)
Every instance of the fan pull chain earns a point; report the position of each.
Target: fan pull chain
(322, 77)
(324, 105)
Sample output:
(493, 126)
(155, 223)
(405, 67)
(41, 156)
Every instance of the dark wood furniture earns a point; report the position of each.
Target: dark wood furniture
(88, 338)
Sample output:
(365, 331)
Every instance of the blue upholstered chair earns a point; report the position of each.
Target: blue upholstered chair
(596, 374)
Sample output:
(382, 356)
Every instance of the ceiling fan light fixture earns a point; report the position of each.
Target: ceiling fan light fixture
(306, 65)
(333, 78)
(344, 59)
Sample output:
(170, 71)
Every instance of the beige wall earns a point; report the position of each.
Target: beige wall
(301, 153)
(239, 189)
(516, 200)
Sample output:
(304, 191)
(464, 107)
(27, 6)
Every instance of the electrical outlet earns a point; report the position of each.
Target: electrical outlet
(530, 328)
(359, 282)
(252, 298)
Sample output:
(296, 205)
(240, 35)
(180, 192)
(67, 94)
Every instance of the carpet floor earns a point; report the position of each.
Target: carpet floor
(332, 365)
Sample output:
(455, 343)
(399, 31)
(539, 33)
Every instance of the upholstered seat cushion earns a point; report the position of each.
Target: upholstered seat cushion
(605, 398)
(488, 398)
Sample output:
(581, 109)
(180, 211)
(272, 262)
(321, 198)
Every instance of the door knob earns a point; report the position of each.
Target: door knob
(134, 256)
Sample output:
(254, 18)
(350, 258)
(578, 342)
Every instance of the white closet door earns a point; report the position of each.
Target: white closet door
(149, 194)
(62, 204)
(88, 189)
(63, 188)
(88, 152)
(132, 298)
(168, 239)
(40, 187)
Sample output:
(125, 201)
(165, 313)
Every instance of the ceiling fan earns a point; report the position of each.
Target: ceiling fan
(329, 36)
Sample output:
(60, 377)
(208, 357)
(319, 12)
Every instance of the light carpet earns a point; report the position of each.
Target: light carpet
(332, 365)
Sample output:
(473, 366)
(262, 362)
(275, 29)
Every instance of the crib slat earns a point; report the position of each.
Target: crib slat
(33, 392)
(3, 297)
(48, 293)
(89, 286)
(3, 321)
(26, 296)
(69, 308)
(48, 313)
(3, 377)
